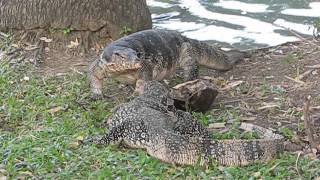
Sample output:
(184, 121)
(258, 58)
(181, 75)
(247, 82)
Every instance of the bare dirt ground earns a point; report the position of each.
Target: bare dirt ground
(60, 62)
(272, 87)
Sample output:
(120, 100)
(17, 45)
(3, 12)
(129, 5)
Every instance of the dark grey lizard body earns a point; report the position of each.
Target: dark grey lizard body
(155, 55)
(176, 137)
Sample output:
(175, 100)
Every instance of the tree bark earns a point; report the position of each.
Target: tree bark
(105, 18)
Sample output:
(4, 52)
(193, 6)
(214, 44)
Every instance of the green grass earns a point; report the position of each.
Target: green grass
(316, 25)
(42, 118)
(125, 31)
(67, 30)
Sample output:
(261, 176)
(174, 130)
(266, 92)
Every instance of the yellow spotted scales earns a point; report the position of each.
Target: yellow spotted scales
(151, 123)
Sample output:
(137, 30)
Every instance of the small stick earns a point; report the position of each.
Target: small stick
(303, 75)
(297, 168)
(317, 66)
(300, 37)
(81, 64)
(307, 120)
(295, 80)
(295, 33)
(315, 108)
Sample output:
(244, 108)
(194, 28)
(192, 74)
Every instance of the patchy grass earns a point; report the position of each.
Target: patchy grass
(42, 119)
(125, 31)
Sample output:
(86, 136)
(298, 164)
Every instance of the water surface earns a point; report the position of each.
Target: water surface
(241, 24)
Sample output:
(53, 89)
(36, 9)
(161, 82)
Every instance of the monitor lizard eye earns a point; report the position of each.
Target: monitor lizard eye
(118, 54)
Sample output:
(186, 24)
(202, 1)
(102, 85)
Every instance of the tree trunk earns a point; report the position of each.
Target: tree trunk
(103, 18)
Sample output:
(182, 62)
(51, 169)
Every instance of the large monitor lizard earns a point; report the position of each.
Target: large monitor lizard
(149, 122)
(154, 55)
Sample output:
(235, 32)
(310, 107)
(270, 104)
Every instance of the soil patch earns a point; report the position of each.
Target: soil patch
(57, 62)
(273, 86)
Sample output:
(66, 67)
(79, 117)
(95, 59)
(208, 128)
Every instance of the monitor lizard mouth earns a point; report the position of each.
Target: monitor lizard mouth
(124, 72)
(121, 68)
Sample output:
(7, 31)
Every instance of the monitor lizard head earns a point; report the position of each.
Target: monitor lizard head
(120, 60)
(124, 55)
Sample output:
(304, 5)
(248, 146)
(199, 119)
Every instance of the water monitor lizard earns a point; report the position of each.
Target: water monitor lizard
(154, 55)
(149, 122)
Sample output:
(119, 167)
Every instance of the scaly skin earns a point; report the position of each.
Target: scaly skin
(158, 53)
(147, 122)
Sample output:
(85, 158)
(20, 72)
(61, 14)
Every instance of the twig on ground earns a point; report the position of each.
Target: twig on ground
(81, 64)
(295, 80)
(315, 108)
(4, 35)
(231, 85)
(303, 75)
(31, 48)
(269, 106)
(297, 168)
(307, 124)
(76, 71)
(297, 35)
(317, 66)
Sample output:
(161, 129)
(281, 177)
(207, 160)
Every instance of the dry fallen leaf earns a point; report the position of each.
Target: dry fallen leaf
(268, 106)
(317, 66)
(26, 78)
(73, 44)
(216, 125)
(15, 45)
(74, 145)
(257, 174)
(3, 174)
(232, 85)
(208, 78)
(55, 109)
(26, 173)
(248, 118)
(45, 39)
(80, 138)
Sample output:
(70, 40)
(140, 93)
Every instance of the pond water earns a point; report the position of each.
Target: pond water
(242, 24)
